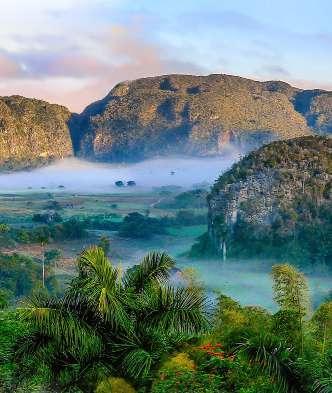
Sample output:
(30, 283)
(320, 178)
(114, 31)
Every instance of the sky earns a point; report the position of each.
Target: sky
(72, 52)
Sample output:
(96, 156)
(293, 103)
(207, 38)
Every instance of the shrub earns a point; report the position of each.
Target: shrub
(181, 361)
(114, 385)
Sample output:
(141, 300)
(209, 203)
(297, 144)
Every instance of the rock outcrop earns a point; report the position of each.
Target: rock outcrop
(164, 115)
(197, 115)
(272, 196)
(32, 132)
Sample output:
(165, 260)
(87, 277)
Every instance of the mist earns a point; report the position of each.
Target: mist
(250, 282)
(74, 175)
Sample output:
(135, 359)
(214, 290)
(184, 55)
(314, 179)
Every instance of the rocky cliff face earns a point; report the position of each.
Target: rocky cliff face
(274, 195)
(172, 114)
(197, 115)
(32, 132)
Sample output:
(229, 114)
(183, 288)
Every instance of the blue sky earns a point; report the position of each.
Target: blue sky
(73, 51)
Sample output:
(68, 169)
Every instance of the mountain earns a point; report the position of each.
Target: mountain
(164, 115)
(32, 132)
(185, 114)
(275, 202)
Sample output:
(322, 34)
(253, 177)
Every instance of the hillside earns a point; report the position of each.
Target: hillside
(164, 115)
(277, 201)
(32, 132)
(196, 115)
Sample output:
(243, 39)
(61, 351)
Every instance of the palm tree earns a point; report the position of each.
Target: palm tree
(323, 386)
(274, 357)
(111, 324)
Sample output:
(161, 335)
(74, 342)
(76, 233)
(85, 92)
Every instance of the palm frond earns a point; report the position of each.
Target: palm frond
(137, 363)
(175, 310)
(49, 318)
(323, 385)
(154, 268)
(274, 357)
(100, 285)
(127, 323)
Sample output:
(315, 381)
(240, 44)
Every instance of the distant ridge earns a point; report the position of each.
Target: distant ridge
(170, 114)
(197, 115)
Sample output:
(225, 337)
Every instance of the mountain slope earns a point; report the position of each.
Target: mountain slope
(172, 114)
(276, 202)
(32, 132)
(196, 115)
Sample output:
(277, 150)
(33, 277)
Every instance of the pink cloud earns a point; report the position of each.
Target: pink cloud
(77, 66)
(8, 68)
(75, 80)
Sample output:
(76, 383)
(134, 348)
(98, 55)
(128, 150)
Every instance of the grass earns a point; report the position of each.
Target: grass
(189, 231)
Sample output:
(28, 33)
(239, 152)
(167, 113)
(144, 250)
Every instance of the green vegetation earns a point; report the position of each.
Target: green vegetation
(195, 199)
(21, 275)
(105, 321)
(133, 332)
(301, 232)
(66, 230)
(139, 226)
(104, 244)
(275, 203)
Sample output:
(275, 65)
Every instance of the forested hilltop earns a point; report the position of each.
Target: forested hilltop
(276, 202)
(163, 115)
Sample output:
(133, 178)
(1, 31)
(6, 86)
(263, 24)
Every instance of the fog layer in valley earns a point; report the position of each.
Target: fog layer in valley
(250, 282)
(83, 176)
(246, 281)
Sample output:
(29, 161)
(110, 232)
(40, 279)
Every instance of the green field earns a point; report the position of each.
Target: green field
(18, 209)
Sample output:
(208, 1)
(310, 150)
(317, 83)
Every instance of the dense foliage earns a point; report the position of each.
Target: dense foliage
(301, 232)
(127, 332)
(66, 230)
(107, 322)
(20, 275)
(275, 203)
(313, 151)
(140, 226)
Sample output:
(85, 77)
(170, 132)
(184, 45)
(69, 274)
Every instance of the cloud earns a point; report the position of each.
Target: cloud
(77, 66)
(74, 51)
(8, 67)
(79, 76)
(135, 58)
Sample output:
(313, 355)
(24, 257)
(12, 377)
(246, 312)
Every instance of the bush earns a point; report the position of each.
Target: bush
(114, 385)
(188, 381)
(104, 243)
(135, 225)
(181, 361)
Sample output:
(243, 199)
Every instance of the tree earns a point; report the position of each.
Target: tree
(322, 318)
(4, 228)
(104, 243)
(136, 225)
(52, 256)
(274, 357)
(4, 298)
(291, 293)
(42, 237)
(111, 324)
